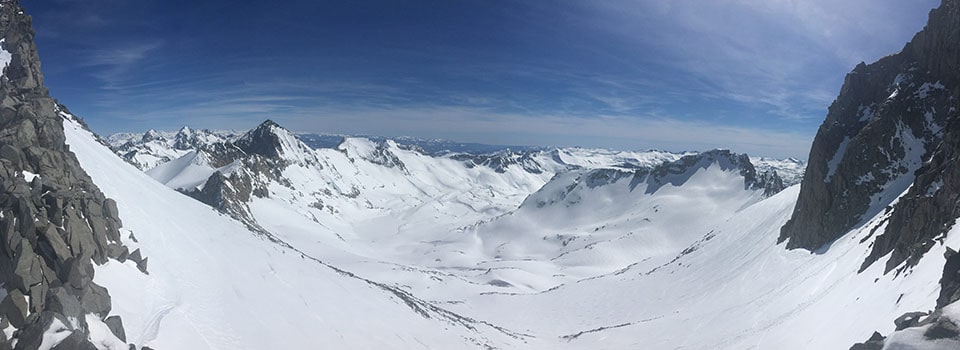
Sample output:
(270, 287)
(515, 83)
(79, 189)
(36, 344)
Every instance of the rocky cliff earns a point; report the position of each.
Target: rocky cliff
(889, 119)
(55, 224)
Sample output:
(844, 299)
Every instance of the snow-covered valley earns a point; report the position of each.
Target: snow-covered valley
(557, 249)
(270, 239)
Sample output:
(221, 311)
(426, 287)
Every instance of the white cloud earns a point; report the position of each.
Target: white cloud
(787, 55)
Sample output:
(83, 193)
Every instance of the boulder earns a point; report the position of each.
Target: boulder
(59, 300)
(874, 343)
(27, 268)
(942, 328)
(51, 235)
(116, 326)
(908, 320)
(95, 299)
(75, 341)
(14, 308)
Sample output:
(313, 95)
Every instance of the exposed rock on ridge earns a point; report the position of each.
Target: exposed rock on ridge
(54, 222)
(889, 118)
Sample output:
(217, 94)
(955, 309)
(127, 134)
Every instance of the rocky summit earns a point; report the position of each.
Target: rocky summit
(55, 224)
(890, 117)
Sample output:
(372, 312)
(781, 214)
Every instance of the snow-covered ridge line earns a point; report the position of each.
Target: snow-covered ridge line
(150, 149)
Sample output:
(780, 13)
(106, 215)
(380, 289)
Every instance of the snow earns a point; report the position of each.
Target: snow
(602, 158)
(926, 88)
(214, 285)
(866, 113)
(837, 157)
(189, 172)
(153, 148)
(29, 176)
(5, 57)
(55, 333)
(790, 170)
(571, 259)
(934, 188)
(100, 335)
(8, 333)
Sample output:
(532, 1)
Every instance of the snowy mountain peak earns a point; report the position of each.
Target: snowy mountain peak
(677, 172)
(271, 140)
(150, 135)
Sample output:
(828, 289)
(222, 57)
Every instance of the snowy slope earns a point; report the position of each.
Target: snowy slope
(215, 285)
(734, 288)
(789, 169)
(597, 255)
(153, 148)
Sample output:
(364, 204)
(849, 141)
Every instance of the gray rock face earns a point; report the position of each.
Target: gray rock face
(889, 118)
(907, 320)
(262, 140)
(950, 280)
(55, 222)
(501, 161)
(874, 343)
(677, 173)
(259, 154)
(116, 326)
(674, 173)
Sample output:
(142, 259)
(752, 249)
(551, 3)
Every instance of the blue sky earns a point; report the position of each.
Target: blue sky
(754, 76)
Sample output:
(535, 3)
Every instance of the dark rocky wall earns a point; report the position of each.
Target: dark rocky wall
(55, 227)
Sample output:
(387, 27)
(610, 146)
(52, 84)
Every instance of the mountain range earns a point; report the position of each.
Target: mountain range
(265, 238)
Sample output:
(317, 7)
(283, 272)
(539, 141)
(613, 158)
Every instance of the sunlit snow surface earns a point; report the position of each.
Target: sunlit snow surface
(5, 57)
(578, 261)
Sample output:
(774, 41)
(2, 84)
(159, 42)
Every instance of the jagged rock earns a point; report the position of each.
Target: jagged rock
(136, 256)
(75, 341)
(52, 237)
(31, 336)
(262, 140)
(499, 161)
(908, 320)
(38, 296)
(677, 172)
(59, 300)
(95, 299)
(118, 252)
(950, 279)
(874, 343)
(142, 265)
(77, 273)
(112, 217)
(27, 268)
(14, 308)
(942, 328)
(116, 326)
(889, 118)
(927, 210)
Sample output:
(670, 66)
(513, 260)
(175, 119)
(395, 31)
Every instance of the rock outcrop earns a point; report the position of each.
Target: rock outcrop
(677, 172)
(54, 221)
(890, 117)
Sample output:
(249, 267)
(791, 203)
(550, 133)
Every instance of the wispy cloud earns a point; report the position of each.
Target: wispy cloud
(120, 56)
(787, 55)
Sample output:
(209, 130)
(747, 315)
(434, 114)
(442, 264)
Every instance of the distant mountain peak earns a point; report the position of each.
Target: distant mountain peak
(263, 140)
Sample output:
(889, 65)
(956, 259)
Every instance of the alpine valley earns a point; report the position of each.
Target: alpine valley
(270, 239)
